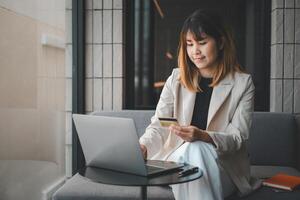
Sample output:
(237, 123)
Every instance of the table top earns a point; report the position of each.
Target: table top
(119, 178)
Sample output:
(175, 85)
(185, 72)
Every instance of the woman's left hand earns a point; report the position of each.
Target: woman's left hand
(191, 133)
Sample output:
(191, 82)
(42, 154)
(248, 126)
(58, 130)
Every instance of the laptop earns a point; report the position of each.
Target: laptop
(112, 143)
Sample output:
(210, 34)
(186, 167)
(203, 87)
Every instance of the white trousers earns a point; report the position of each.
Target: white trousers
(213, 185)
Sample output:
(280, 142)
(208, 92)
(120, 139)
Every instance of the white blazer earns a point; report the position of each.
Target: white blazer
(229, 119)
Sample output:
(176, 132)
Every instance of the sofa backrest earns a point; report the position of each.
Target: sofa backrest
(142, 118)
(273, 139)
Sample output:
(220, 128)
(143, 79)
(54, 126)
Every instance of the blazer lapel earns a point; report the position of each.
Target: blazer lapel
(219, 95)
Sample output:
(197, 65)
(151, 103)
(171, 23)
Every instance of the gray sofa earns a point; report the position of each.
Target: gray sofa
(274, 147)
(32, 160)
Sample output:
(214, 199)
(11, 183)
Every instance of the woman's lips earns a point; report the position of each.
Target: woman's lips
(199, 58)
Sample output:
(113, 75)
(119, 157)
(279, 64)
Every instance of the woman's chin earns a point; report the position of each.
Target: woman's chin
(201, 66)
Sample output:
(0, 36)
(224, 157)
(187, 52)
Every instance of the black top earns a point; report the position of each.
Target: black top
(202, 104)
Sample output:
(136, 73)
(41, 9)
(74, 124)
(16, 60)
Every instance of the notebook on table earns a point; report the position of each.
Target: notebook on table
(112, 143)
(283, 181)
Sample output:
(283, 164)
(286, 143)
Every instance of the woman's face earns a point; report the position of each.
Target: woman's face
(202, 53)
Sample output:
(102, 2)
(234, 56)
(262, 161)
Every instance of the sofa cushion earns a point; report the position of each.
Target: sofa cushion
(264, 192)
(267, 193)
(27, 179)
(259, 171)
(273, 139)
(78, 188)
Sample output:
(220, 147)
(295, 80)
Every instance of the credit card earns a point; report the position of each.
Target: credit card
(167, 121)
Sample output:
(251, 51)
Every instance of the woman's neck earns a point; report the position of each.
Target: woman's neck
(206, 73)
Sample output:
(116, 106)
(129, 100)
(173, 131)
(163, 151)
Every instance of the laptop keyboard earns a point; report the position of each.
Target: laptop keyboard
(157, 166)
(162, 164)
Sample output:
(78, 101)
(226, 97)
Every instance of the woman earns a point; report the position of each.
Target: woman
(212, 100)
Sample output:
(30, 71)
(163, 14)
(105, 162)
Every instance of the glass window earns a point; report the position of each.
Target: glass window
(152, 38)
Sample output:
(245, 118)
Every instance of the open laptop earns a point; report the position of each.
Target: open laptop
(112, 143)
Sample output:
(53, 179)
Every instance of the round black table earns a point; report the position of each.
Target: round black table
(111, 177)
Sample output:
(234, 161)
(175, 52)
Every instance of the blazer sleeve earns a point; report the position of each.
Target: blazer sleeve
(237, 131)
(155, 136)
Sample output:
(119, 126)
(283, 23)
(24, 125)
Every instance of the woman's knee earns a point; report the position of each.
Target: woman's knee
(201, 147)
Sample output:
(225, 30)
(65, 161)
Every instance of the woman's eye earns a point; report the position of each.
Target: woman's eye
(202, 43)
(189, 44)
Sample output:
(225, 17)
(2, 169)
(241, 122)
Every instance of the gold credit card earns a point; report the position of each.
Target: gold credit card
(167, 121)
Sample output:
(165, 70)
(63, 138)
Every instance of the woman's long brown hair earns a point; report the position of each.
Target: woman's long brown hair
(203, 22)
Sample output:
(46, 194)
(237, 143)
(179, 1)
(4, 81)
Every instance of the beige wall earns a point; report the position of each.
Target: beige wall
(18, 61)
(46, 11)
(32, 90)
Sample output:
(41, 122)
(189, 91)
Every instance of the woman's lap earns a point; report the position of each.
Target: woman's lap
(214, 182)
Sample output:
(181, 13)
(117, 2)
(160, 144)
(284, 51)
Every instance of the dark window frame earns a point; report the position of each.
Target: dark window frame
(78, 80)
(139, 54)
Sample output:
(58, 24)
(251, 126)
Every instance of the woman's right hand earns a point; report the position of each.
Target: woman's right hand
(144, 151)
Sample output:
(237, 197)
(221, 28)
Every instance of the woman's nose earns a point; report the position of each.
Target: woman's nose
(196, 49)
